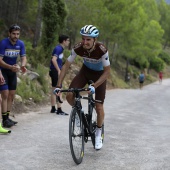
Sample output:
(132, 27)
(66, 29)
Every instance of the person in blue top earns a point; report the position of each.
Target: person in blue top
(10, 49)
(55, 69)
(141, 79)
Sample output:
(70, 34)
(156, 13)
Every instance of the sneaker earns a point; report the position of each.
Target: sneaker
(98, 142)
(12, 121)
(7, 123)
(53, 111)
(77, 120)
(61, 113)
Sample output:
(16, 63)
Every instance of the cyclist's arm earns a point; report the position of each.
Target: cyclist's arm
(106, 68)
(103, 77)
(65, 67)
(63, 73)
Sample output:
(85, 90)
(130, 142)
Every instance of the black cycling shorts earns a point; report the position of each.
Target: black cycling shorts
(85, 74)
(10, 79)
(54, 77)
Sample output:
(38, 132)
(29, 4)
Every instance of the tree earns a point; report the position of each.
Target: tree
(38, 25)
(54, 14)
(164, 10)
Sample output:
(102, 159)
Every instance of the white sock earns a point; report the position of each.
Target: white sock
(98, 132)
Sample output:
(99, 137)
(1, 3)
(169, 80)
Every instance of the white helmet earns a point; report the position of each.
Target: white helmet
(90, 31)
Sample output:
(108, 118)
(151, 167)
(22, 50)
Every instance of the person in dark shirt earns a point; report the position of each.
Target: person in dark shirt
(55, 69)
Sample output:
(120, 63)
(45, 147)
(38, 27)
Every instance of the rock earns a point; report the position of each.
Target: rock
(32, 75)
(18, 99)
(18, 80)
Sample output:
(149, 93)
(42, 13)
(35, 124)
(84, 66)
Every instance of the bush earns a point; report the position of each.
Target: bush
(29, 89)
(157, 64)
(165, 57)
(38, 55)
(42, 79)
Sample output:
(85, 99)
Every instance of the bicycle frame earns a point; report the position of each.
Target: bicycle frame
(91, 104)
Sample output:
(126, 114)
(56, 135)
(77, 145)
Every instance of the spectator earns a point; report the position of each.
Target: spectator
(160, 76)
(141, 79)
(10, 49)
(55, 69)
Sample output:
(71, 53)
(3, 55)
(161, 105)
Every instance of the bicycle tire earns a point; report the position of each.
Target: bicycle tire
(76, 136)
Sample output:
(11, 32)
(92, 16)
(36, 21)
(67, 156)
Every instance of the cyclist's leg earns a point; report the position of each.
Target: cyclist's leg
(100, 114)
(100, 95)
(79, 81)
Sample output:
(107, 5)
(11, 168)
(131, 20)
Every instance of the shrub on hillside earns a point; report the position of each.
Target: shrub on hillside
(165, 57)
(157, 64)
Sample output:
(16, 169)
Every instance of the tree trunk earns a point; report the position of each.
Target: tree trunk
(38, 25)
(17, 11)
(115, 46)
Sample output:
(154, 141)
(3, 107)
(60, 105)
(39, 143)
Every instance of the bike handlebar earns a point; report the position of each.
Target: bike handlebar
(73, 90)
(77, 90)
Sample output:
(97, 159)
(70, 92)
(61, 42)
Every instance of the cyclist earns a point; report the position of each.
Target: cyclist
(96, 67)
(10, 49)
(55, 67)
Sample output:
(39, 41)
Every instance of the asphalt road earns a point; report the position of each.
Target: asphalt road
(137, 135)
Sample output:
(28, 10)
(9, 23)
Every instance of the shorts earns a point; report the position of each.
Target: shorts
(10, 80)
(141, 82)
(54, 77)
(85, 74)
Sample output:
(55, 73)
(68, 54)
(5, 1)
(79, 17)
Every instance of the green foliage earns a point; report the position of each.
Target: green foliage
(54, 14)
(157, 63)
(29, 90)
(164, 11)
(165, 57)
(38, 55)
(28, 46)
(42, 79)
(34, 89)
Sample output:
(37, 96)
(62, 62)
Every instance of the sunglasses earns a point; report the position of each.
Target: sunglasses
(14, 27)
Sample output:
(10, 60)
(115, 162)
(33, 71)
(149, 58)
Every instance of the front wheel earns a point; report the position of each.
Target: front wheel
(76, 136)
(93, 126)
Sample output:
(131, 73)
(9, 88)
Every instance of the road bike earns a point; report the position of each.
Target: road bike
(82, 126)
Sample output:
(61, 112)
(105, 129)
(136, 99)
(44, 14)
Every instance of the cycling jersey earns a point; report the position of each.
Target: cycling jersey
(94, 60)
(10, 52)
(58, 52)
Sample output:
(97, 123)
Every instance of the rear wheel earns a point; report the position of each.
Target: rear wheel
(76, 136)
